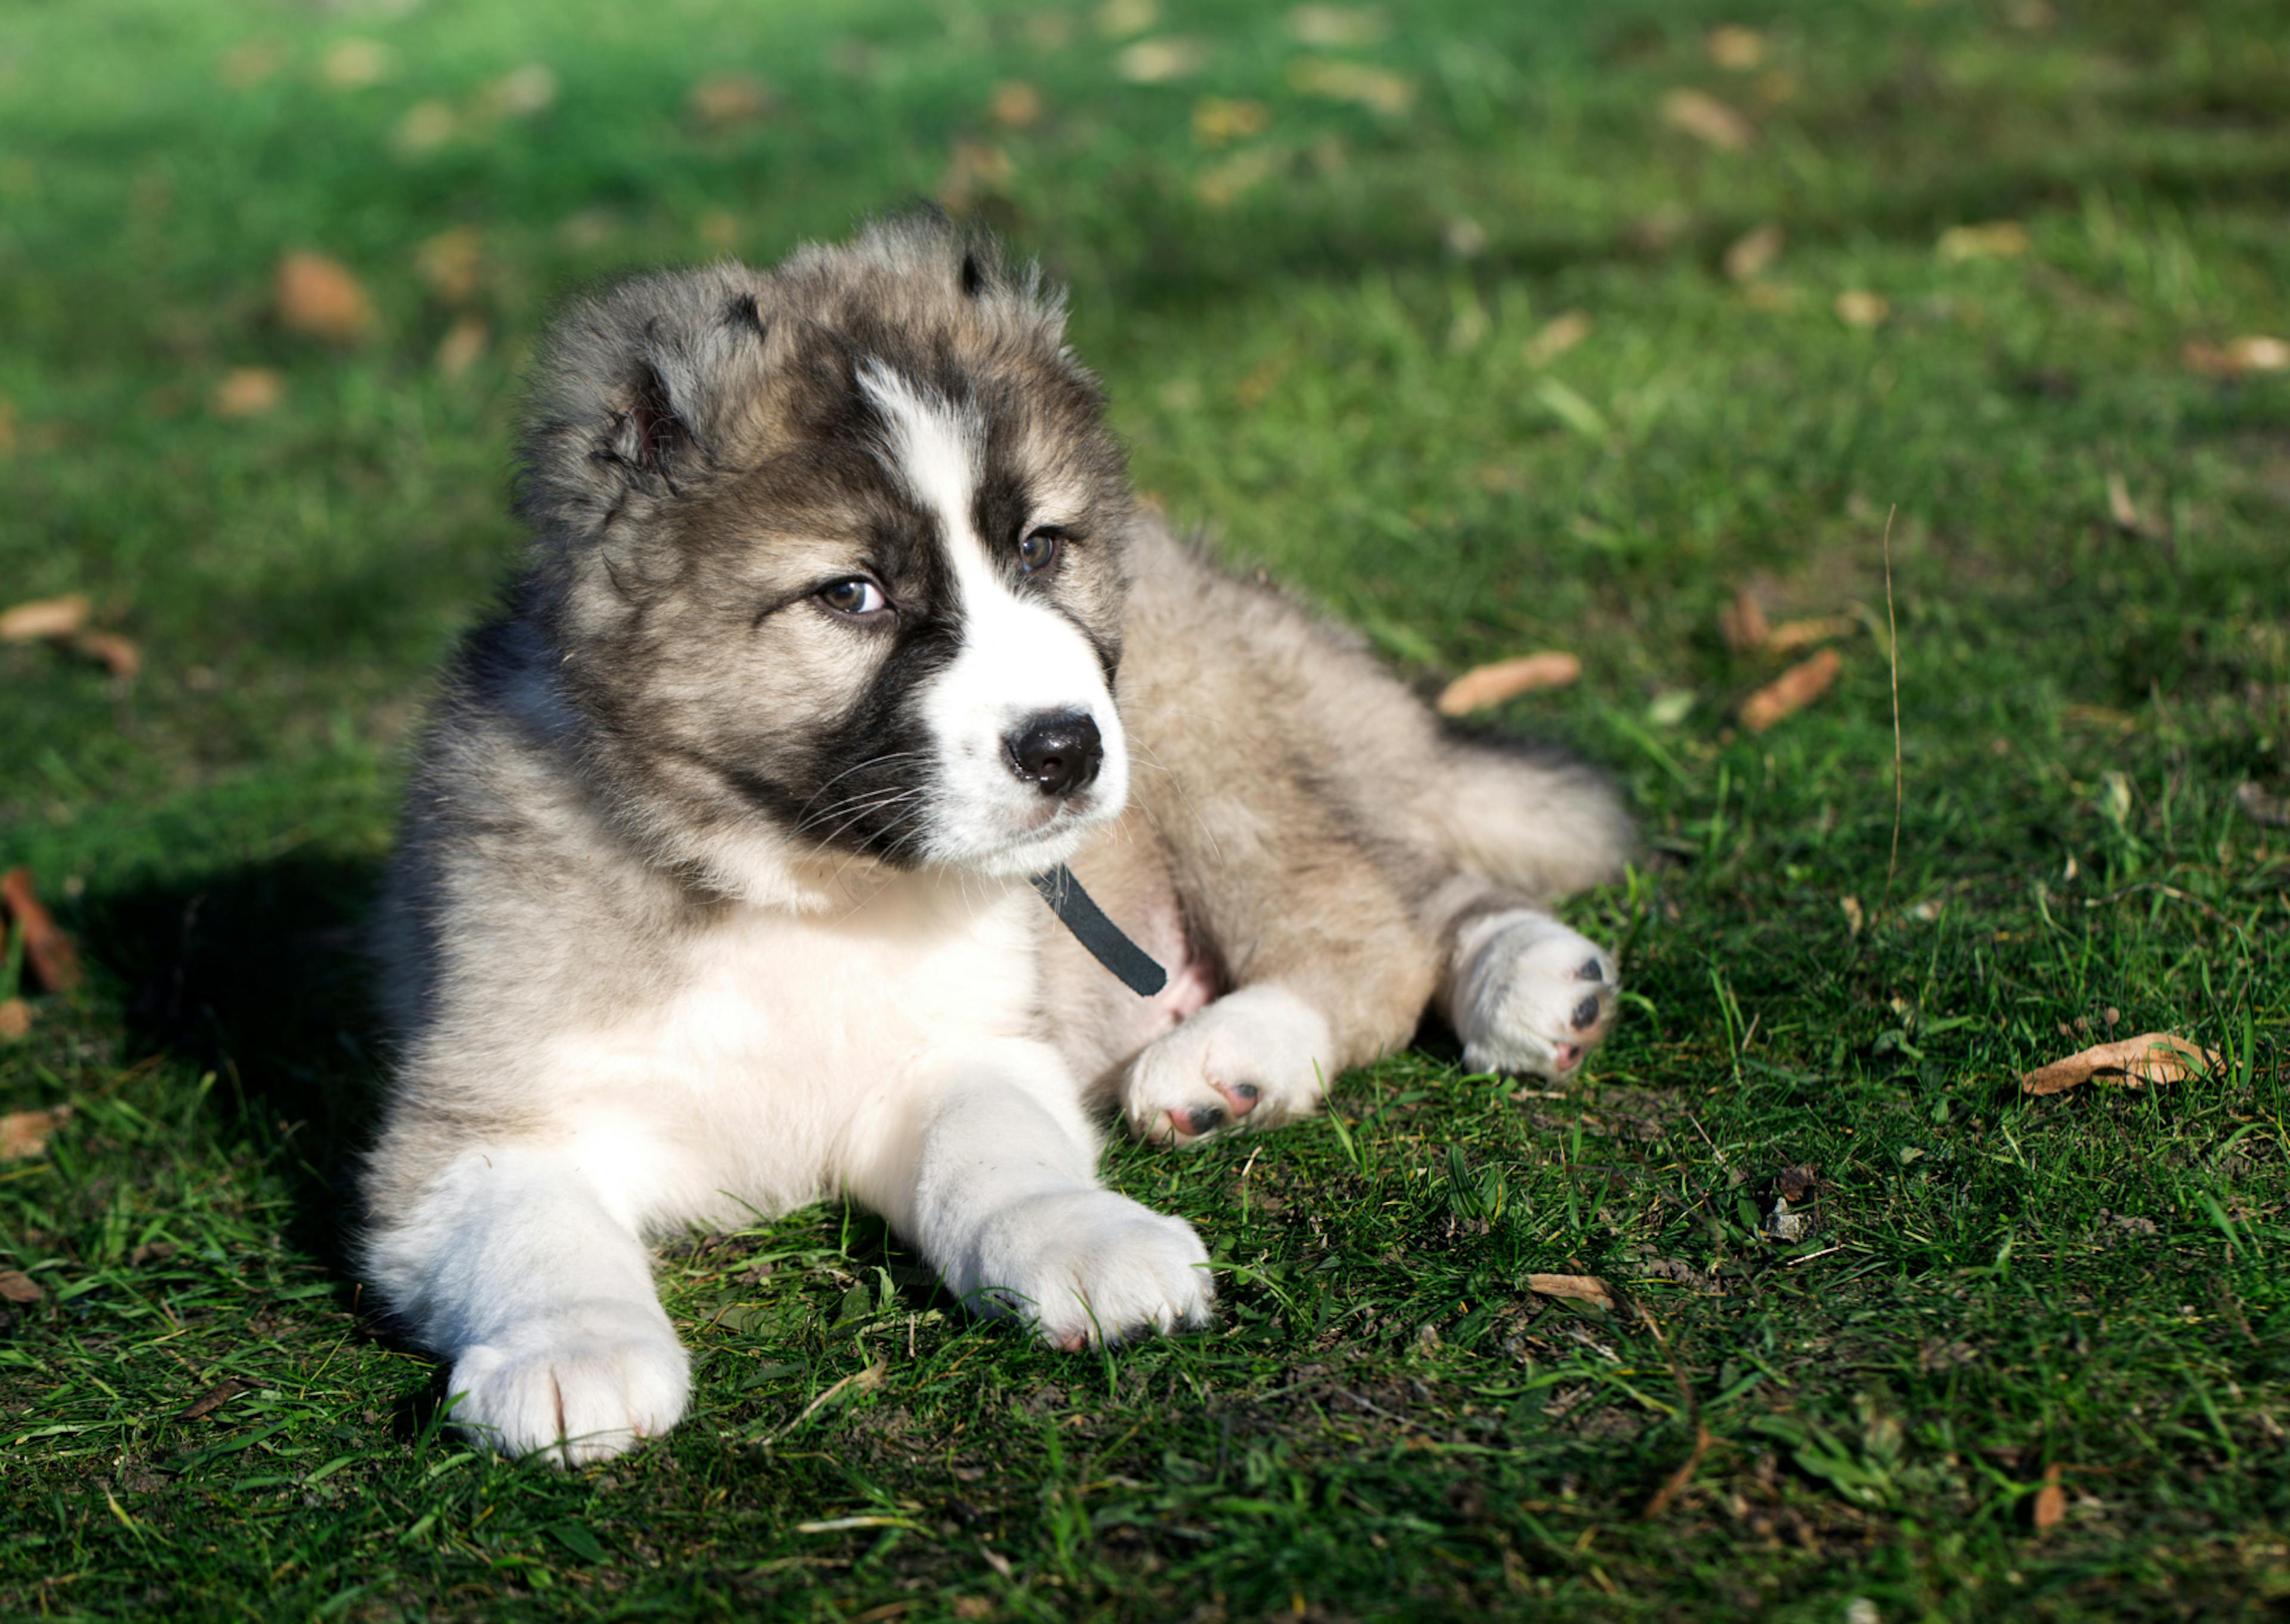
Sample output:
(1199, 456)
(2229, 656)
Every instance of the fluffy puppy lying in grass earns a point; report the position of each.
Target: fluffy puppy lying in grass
(839, 628)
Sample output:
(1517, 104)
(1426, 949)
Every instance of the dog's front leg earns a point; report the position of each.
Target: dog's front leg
(989, 1166)
(510, 1263)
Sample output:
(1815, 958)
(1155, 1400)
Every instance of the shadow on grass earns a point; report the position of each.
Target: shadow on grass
(257, 975)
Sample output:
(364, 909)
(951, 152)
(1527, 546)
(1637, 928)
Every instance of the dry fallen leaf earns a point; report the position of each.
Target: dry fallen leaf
(973, 169)
(1156, 62)
(1120, 18)
(1506, 679)
(2252, 353)
(214, 1399)
(1733, 46)
(519, 94)
(354, 64)
(1704, 117)
(1580, 1288)
(1857, 307)
(55, 962)
(725, 101)
(2051, 1501)
(2259, 807)
(1791, 692)
(1753, 251)
(318, 296)
(1337, 27)
(1340, 81)
(1217, 119)
(451, 263)
(2152, 1057)
(15, 1023)
(426, 126)
(1999, 239)
(1559, 335)
(1793, 635)
(1016, 104)
(112, 652)
(247, 391)
(1854, 917)
(24, 1134)
(19, 1287)
(461, 346)
(1224, 184)
(46, 617)
(1742, 622)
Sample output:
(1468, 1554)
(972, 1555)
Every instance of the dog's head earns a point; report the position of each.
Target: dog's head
(829, 558)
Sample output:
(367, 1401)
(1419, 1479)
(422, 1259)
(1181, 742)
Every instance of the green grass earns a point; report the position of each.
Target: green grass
(1385, 1423)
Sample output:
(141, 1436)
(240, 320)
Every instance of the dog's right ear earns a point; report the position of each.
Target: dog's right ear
(641, 393)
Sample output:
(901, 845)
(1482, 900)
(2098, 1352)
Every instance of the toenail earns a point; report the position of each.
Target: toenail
(1591, 970)
(1586, 1014)
(1569, 1055)
(1204, 1117)
(1246, 1091)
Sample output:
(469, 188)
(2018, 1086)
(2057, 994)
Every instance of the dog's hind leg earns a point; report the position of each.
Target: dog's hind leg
(1524, 993)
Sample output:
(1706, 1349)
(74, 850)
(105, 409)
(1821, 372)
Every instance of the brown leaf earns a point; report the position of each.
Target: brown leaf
(520, 92)
(1217, 119)
(1156, 62)
(462, 345)
(2252, 353)
(2000, 239)
(1791, 635)
(2152, 1057)
(1492, 684)
(1339, 26)
(426, 126)
(47, 616)
(54, 960)
(318, 296)
(24, 1134)
(15, 1024)
(19, 1287)
(354, 64)
(1791, 692)
(214, 1399)
(247, 391)
(112, 652)
(1733, 46)
(1701, 115)
(1016, 104)
(2259, 807)
(725, 101)
(1340, 81)
(2119, 507)
(1580, 1288)
(451, 263)
(1742, 622)
(1753, 251)
(1556, 336)
(2051, 1501)
(1857, 307)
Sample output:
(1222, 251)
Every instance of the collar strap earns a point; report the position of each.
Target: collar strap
(1135, 967)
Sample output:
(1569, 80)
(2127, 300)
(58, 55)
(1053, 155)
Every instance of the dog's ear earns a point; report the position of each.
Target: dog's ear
(640, 395)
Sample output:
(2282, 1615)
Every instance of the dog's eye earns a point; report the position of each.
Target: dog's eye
(855, 595)
(1040, 548)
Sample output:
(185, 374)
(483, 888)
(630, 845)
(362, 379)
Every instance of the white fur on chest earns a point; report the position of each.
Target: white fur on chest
(726, 1093)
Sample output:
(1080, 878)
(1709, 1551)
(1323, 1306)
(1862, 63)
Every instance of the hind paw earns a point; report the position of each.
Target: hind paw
(1532, 996)
(1251, 1059)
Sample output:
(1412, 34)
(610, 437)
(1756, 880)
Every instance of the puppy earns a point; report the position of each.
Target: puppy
(840, 626)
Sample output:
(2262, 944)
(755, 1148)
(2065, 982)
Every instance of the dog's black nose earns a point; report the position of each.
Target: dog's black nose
(1060, 752)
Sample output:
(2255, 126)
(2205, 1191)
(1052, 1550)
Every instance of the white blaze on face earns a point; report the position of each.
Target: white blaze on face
(1020, 660)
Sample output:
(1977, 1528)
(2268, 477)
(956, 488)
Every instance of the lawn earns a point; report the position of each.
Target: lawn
(1462, 319)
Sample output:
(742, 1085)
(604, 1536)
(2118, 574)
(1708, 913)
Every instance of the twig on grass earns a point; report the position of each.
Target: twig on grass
(1893, 657)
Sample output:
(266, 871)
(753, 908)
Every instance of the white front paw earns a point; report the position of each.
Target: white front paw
(1088, 1267)
(1532, 996)
(582, 1385)
(1251, 1059)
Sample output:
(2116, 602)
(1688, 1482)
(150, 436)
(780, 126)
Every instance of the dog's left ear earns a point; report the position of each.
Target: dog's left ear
(641, 393)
